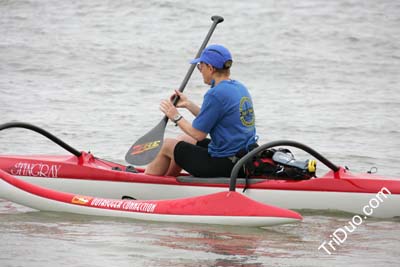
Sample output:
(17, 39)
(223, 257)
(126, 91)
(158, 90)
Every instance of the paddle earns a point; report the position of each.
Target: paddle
(147, 147)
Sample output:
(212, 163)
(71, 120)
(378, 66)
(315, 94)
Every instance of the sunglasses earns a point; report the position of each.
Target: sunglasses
(199, 67)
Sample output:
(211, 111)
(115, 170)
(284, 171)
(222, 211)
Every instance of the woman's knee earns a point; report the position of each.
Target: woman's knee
(187, 139)
(169, 146)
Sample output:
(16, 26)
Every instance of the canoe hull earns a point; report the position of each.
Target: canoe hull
(340, 191)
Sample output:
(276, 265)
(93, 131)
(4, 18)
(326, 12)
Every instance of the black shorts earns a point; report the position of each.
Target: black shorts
(195, 160)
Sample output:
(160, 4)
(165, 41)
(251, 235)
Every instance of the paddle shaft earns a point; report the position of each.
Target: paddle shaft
(147, 147)
(216, 20)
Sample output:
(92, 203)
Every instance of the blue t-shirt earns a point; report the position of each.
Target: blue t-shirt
(227, 114)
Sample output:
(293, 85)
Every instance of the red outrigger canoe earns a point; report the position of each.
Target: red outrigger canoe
(84, 174)
(226, 208)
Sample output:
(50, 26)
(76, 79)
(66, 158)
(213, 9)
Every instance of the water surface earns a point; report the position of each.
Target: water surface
(322, 73)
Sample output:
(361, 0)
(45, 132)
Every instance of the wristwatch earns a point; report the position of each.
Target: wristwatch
(177, 118)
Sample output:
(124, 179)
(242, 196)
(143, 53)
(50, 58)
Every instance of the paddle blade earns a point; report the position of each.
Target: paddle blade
(147, 147)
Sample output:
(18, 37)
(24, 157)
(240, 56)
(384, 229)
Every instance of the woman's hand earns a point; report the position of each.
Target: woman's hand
(183, 101)
(168, 109)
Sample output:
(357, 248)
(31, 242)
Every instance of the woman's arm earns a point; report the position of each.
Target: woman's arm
(190, 130)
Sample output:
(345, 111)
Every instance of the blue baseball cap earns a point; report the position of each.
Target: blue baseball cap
(215, 55)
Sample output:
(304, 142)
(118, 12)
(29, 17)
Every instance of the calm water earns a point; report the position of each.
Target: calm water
(326, 74)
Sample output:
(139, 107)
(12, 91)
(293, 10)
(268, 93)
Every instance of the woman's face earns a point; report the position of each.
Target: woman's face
(207, 72)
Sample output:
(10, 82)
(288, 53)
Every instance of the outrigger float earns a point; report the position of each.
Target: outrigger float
(226, 208)
(95, 186)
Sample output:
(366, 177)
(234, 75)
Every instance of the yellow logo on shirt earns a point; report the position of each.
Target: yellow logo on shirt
(247, 116)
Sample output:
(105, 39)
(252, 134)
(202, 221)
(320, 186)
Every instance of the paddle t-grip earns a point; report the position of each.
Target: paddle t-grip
(217, 19)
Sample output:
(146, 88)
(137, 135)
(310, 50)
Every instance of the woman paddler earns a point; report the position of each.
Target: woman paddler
(226, 114)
